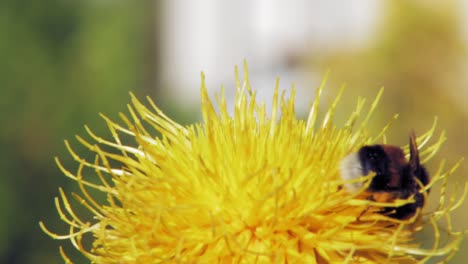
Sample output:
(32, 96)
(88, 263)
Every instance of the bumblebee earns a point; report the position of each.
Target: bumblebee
(395, 177)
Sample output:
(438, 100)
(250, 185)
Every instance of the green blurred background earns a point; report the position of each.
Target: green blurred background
(63, 62)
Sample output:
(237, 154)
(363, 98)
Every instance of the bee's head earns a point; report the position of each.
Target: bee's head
(385, 162)
(373, 159)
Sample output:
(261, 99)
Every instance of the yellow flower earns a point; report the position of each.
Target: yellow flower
(248, 188)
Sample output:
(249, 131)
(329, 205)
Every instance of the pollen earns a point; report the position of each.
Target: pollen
(248, 187)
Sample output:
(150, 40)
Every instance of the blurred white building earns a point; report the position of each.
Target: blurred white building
(214, 35)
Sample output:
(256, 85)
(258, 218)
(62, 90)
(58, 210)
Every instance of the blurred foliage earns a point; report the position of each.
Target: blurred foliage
(63, 62)
(419, 57)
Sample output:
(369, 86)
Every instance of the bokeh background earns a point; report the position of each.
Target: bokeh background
(62, 62)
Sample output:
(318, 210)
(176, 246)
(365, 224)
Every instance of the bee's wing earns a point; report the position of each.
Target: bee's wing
(417, 169)
(414, 153)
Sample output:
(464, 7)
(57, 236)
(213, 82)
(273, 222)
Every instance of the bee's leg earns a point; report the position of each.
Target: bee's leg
(370, 198)
(362, 214)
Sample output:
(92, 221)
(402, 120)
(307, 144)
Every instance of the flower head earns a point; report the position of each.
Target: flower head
(248, 188)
